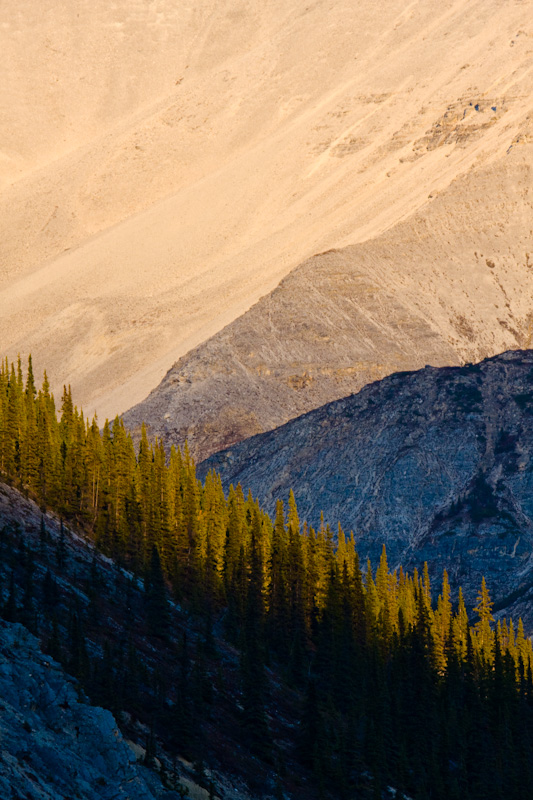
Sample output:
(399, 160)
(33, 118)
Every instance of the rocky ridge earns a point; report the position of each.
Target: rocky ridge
(437, 464)
(351, 316)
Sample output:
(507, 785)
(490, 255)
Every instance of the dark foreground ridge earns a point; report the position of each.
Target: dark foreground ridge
(54, 743)
(437, 464)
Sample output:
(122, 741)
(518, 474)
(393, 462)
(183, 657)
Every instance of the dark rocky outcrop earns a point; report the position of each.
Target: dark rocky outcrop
(54, 745)
(437, 464)
(93, 618)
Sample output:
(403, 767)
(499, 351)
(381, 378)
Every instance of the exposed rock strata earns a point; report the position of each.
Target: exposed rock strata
(437, 464)
(452, 284)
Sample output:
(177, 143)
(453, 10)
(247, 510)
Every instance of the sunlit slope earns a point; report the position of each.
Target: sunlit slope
(165, 165)
(453, 283)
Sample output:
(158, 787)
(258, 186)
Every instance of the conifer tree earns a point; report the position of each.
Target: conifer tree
(156, 599)
(311, 734)
(484, 634)
(296, 595)
(441, 625)
(252, 668)
(278, 588)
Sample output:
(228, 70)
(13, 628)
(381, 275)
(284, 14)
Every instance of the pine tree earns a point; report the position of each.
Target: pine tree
(484, 634)
(156, 598)
(252, 668)
(311, 733)
(296, 596)
(441, 625)
(278, 611)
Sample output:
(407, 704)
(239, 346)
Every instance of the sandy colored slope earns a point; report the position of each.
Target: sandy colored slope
(164, 164)
(453, 283)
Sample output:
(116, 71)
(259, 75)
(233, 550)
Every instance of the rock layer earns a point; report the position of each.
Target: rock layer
(451, 284)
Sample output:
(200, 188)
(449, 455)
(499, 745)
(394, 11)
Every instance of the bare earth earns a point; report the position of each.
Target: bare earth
(163, 165)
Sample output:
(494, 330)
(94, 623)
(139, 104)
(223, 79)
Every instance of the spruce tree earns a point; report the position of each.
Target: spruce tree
(156, 597)
(252, 661)
(484, 634)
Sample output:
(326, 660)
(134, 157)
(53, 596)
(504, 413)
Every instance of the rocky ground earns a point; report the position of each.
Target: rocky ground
(163, 166)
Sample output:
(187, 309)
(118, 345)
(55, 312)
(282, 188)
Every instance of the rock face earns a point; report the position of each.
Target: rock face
(436, 464)
(451, 284)
(53, 745)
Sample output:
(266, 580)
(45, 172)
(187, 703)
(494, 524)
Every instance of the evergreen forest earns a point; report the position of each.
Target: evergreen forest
(339, 679)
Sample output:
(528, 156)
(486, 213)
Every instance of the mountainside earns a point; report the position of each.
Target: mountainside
(451, 284)
(436, 464)
(163, 165)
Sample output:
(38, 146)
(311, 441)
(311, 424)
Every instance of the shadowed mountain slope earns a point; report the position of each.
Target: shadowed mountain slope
(89, 614)
(436, 464)
(451, 284)
(164, 165)
(55, 745)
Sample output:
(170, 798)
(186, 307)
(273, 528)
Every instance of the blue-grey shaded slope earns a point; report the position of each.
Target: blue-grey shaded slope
(54, 744)
(437, 464)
